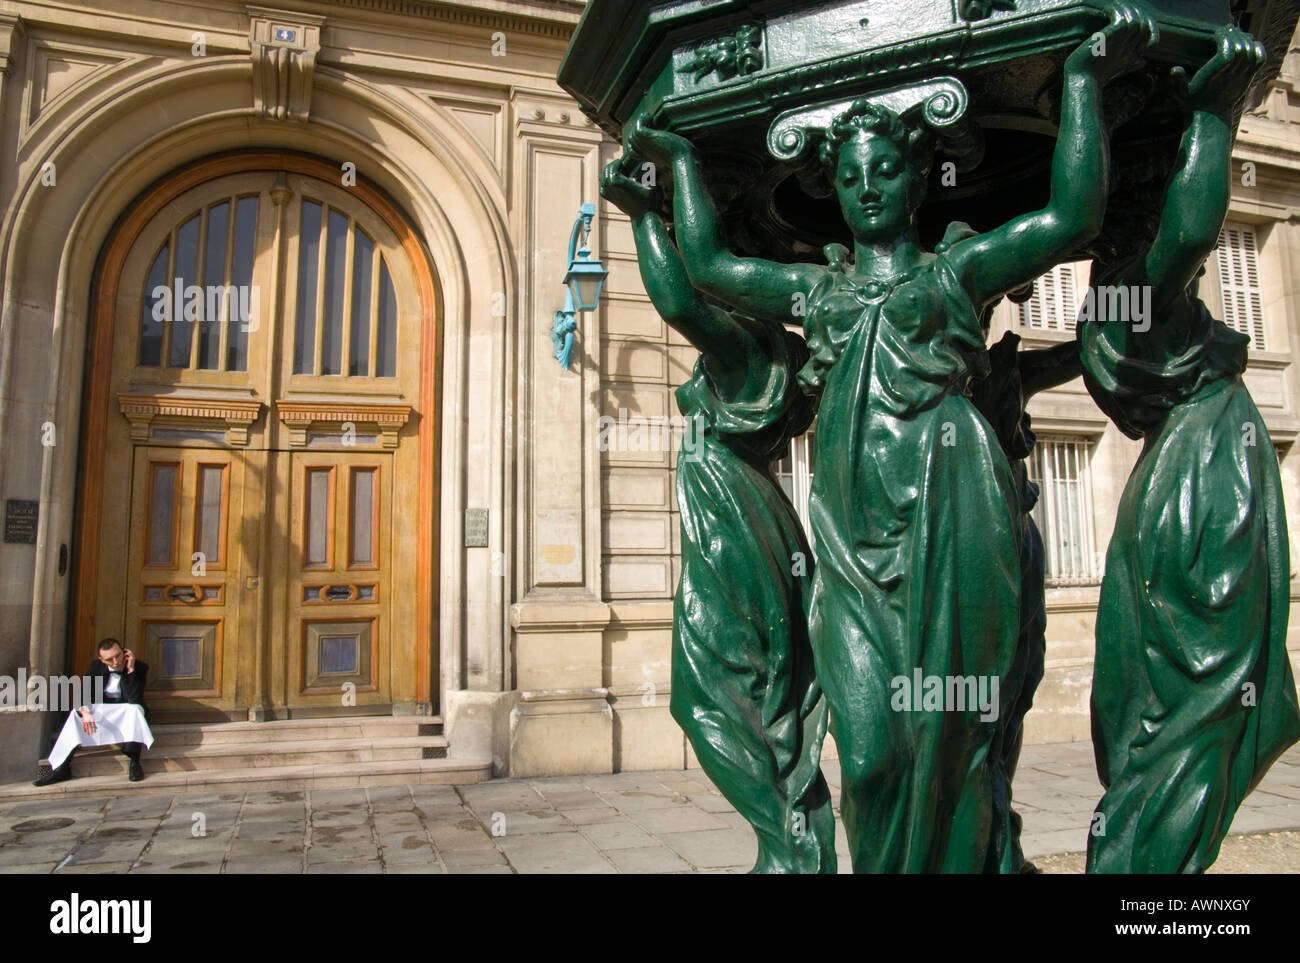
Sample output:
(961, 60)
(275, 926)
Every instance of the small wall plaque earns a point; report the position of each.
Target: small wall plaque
(20, 521)
(476, 527)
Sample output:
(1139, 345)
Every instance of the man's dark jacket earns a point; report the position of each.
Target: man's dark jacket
(132, 682)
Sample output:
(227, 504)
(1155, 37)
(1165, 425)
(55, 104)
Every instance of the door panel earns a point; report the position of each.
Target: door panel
(340, 579)
(182, 591)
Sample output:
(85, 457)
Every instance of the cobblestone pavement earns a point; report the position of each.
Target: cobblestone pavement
(633, 822)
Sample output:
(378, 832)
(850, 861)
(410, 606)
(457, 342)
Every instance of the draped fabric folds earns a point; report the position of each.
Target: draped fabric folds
(917, 523)
(1193, 696)
(744, 687)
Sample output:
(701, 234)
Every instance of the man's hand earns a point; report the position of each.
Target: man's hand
(1118, 47)
(130, 660)
(88, 722)
(1220, 84)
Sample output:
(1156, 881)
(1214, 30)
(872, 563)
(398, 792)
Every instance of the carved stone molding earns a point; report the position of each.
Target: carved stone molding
(301, 417)
(146, 412)
(284, 47)
(11, 34)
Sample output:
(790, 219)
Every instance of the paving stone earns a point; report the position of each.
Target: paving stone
(273, 830)
(327, 835)
(338, 798)
(95, 869)
(573, 799)
(193, 865)
(1060, 841)
(711, 803)
(634, 800)
(481, 870)
(472, 857)
(396, 822)
(586, 817)
(31, 869)
(343, 852)
(488, 798)
(430, 868)
(350, 868)
(619, 835)
(648, 859)
(617, 781)
(1266, 819)
(683, 819)
(52, 807)
(405, 842)
(460, 834)
(554, 853)
(266, 864)
(534, 821)
(715, 848)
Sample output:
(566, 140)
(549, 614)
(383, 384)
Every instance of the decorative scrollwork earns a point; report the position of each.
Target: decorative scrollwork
(733, 55)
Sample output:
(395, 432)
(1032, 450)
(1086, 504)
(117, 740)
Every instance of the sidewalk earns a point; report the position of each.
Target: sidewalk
(633, 822)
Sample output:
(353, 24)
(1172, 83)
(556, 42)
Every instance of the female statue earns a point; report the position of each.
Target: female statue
(913, 508)
(743, 685)
(1193, 697)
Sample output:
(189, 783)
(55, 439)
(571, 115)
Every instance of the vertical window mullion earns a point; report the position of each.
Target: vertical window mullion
(170, 320)
(322, 262)
(345, 359)
(223, 344)
(200, 269)
(375, 260)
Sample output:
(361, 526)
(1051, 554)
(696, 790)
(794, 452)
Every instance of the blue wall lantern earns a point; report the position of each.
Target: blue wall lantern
(582, 284)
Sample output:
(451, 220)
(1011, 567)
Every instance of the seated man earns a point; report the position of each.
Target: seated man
(124, 680)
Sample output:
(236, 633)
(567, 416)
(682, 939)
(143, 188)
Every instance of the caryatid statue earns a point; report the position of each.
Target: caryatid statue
(1193, 696)
(913, 508)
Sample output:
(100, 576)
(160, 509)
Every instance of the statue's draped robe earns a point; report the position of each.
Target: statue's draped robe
(1000, 399)
(1193, 697)
(918, 531)
(743, 683)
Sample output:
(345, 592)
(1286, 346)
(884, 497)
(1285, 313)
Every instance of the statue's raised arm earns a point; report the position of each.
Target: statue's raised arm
(991, 264)
(766, 290)
(1197, 200)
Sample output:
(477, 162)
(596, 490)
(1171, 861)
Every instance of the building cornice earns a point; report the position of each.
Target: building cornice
(547, 18)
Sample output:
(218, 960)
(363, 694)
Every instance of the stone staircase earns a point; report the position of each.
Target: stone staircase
(292, 754)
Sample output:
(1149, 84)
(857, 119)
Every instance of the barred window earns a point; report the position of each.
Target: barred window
(1060, 467)
(1243, 298)
(1055, 304)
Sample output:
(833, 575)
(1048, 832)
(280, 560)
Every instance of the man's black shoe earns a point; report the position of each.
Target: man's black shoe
(54, 775)
(136, 773)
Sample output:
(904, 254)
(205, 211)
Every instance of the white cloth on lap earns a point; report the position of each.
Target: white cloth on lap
(116, 722)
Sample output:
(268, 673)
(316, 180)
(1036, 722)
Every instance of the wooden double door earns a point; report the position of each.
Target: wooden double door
(256, 537)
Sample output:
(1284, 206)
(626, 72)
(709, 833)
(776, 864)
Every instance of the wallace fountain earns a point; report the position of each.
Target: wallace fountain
(828, 199)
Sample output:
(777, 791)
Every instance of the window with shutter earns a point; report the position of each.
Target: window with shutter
(1243, 299)
(1054, 304)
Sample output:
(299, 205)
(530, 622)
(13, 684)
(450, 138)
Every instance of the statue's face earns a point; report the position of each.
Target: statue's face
(877, 188)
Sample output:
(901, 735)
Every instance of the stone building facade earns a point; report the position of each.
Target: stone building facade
(353, 479)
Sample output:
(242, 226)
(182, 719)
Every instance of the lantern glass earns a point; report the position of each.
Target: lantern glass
(585, 281)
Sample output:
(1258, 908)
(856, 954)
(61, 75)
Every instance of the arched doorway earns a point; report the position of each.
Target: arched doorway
(256, 507)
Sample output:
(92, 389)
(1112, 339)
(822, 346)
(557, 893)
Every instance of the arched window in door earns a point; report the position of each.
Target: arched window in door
(347, 308)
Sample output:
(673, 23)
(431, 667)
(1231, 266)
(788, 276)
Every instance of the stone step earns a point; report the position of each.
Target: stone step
(397, 772)
(295, 730)
(107, 760)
